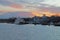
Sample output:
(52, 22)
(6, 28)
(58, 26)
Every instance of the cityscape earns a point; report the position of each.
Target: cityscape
(44, 20)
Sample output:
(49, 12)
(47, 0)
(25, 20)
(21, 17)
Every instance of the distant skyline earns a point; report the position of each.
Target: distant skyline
(32, 7)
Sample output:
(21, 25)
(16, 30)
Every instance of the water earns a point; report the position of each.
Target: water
(29, 32)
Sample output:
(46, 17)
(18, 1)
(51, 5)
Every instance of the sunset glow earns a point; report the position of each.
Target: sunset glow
(38, 8)
(35, 13)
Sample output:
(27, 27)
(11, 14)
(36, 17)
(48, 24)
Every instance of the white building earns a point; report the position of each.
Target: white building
(18, 20)
(44, 18)
(36, 19)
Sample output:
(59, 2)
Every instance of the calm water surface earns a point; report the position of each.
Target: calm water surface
(29, 32)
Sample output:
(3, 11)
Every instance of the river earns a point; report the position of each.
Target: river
(29, 32)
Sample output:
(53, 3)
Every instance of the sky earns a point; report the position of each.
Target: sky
(30, 7)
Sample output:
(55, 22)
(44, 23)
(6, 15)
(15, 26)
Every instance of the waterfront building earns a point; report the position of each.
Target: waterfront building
(19, 20)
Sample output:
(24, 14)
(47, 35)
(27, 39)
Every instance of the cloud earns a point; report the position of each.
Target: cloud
(4, 9)
(17, 6)
(41, 6)
(26, 1)
(52, 9)
(5, 2)
(52, 2)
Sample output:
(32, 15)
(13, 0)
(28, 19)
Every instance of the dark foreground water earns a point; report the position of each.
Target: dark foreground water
(29, 32)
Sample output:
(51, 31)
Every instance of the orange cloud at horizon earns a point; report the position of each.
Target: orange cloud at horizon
(35, 13)
(49, 14)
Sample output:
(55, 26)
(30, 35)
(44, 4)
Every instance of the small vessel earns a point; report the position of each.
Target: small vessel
(57, 24)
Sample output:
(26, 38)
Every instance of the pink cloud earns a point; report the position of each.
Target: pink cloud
(18, 6)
